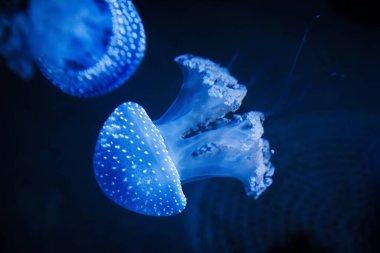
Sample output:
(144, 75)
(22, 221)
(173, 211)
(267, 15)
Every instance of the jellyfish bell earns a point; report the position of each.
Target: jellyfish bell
(133, 166)
(69, 32)
(85, 48)
(104, 43)
(141, 164)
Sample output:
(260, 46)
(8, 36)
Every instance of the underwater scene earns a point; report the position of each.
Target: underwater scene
(190, 126)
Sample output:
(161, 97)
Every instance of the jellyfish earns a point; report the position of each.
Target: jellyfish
(142, 164)
(85, 48)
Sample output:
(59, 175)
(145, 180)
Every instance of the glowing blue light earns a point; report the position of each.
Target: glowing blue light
(140, 165)
(85, 48)
(132, 164)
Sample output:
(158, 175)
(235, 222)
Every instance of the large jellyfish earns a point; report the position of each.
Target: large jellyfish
(85, 48)
(141, 165)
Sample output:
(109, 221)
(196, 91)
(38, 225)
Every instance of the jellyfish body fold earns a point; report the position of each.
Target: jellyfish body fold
(85, 48)
(141, 164)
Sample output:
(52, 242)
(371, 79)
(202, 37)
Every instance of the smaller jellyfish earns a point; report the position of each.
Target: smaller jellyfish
(141, 165)
(85, 48)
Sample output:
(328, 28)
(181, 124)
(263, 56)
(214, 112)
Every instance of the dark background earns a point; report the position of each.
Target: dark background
(323, 124)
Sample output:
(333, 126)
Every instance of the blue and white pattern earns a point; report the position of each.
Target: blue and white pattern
(85, 48)
(124, 53)
(141, 165)
(133, 167)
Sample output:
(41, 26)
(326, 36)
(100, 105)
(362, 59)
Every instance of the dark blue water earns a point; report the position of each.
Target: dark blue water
(324, 127)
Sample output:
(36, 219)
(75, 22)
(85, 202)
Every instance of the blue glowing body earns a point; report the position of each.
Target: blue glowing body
(141, 165)
(86, 48)
(132, 164)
